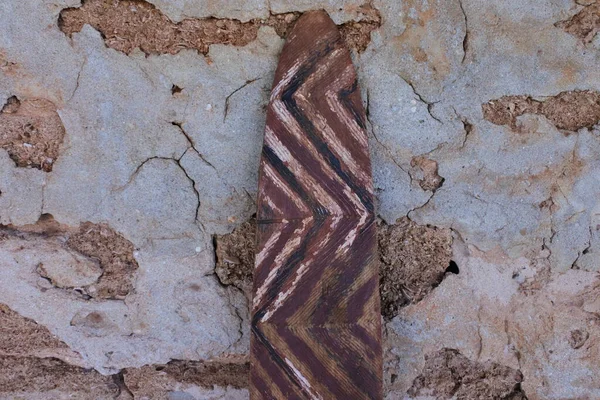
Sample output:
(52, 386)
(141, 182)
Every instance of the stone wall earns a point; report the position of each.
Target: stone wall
(130, 134)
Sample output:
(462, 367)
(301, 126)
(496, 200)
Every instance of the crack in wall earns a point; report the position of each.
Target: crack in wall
(468, 129)
(226, 108)
(193, 182)
(83, 64)
(229, 290)
(465, 43)
(429, 104)
(387, 150)
(234, 266)
(192, 146)
(177, 162)
(425, 184)
(420, 207)
(584, 251)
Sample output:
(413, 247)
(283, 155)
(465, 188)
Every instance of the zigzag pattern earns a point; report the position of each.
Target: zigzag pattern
(316, 325)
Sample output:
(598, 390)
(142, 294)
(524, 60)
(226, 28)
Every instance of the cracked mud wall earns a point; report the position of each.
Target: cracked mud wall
(130, 134)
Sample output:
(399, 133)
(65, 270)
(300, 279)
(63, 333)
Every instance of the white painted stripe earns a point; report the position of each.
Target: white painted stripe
(303, 381)
(280, 184)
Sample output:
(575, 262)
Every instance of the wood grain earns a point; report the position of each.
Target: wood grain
(316, 324)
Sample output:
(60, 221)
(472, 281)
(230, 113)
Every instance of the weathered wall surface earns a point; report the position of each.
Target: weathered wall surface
(130, 134)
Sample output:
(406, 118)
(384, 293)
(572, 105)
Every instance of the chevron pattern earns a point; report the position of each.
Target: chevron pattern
(316, 325)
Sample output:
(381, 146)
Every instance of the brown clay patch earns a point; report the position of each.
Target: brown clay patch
(235, 256)
(578, 338)
(129, 24)
(31, 131)
(583, 25)
(29, 363)
(45, 226)
(113, 252)
(357, 35)
(450, 375)
(21, 375)
(157, 381)
(282, 23)
(96, 243)
(20, 336)
(414, 260)
(6, 66)
(573, 110)
(569, 111)
(430, 179)
(505, 110)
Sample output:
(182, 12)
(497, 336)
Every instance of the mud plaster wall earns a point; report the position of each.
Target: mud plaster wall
(129, 143)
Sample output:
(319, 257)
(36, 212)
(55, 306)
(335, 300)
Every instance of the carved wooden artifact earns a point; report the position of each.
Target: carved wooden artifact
(316, 325)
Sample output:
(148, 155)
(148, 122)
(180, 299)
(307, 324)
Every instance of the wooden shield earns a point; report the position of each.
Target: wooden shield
(316, 324)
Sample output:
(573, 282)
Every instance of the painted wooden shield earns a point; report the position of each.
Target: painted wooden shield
(316, 324)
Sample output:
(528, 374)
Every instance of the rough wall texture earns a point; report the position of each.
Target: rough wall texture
(130, 134)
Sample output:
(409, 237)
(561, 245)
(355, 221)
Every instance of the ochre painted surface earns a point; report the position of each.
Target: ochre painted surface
(316, 324)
